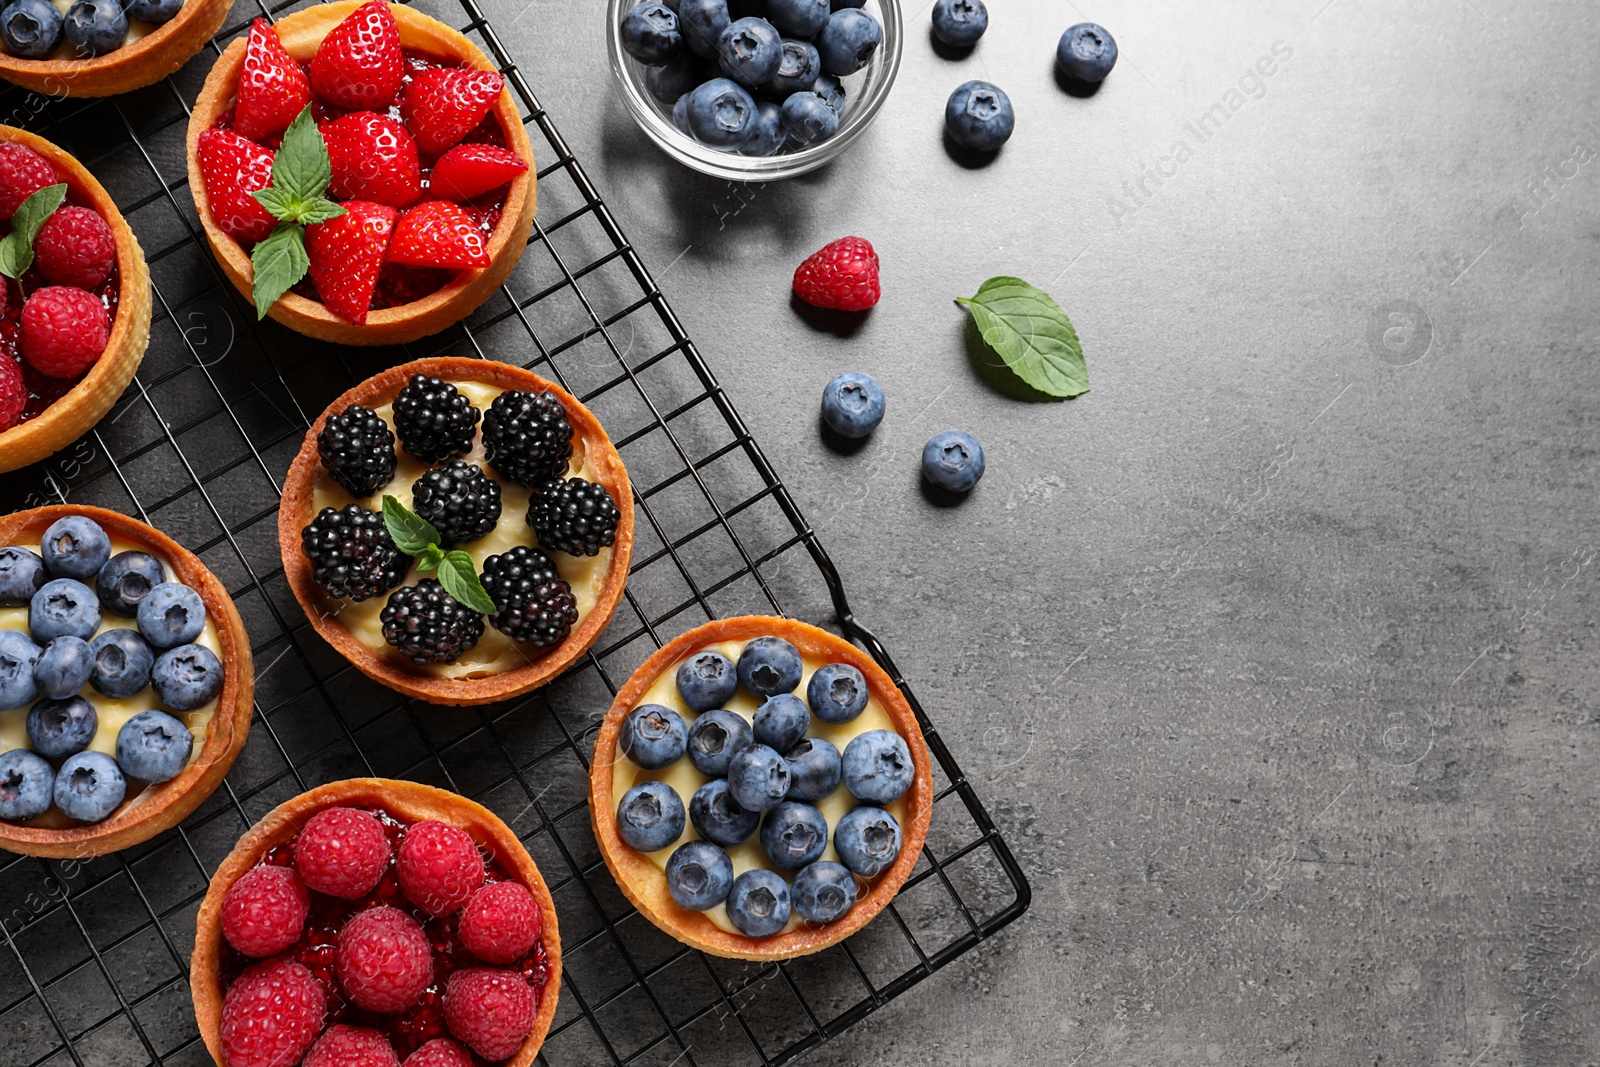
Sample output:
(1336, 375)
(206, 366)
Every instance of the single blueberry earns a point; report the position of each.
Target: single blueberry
(715, 738)
(878, 767)
(848, 40)
(172, 614)
(187, 677)
(89, 787)
(154, 747)
(650, 32)
(706, 680)
(959, 23)
(781, 721)
(952, 461)
(868, 840)
(852, 403)
(19, 657)
(123, 661)
(26, 782)
(824, 891)
(769, 134)
(22, 572)
(793, 835)
(653, 736)
(721, 113)
(809, 119)
(815, 769)
(699, 875)
(95, 27)
(718, 817)
(65, 666)
(749, 51)
(125, 580)
(758, 778)
(152, 11)
(75, 547)
(1086, 52)
(650, 816)
(837, 693)
(979, 116)
(58, 728)
(758, 904)
(31, 29)
(675, 77)
(798, 68)
(63, 606)
(769, 665)
(701, 23)
(833, 93)
(798, 18)
(680, 116)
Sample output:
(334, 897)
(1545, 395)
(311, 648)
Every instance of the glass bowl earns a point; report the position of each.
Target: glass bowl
(866, 91)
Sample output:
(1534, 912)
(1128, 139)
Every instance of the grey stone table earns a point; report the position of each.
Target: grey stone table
(1274, 654)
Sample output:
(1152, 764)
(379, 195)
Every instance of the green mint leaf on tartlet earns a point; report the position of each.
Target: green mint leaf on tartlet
(301, 169)
(16, 249)
(416, 536)
(459, 576)
(321, 211)
(1028, 330)
(301, 172)
(411, 533)
(278, 261)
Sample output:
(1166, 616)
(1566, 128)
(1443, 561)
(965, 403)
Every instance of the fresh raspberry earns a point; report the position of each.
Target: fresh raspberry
(437, 233)
(501, 922)
(64, 330)
(75, 247)
(271, 1015)
(470, 170)
(352, 1046)
(443, 105)
(384, 961)
(440, 867)
(440, 1052)
(373, 158)
(13, 392)
(492, 1011)
(359, 65)
(265, 911)
(23, 172)
(342, 852)
(842, 276)
(273, 88)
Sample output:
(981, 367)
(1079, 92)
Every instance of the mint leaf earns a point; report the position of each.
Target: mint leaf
(16, 249)
(284, 207)
(415, 536)
(459, 576)
(301, 170)
(411, 533)
(430, 558)
(321, 211)
(279, 261)
(1029, 331)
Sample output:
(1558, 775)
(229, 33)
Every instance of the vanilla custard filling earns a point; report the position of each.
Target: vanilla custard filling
(685, 778)
(110, 712)
(495, 653)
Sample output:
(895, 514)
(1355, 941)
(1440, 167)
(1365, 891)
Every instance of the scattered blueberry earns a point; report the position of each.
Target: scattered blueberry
(653, 736)
(64, 667)
(758, 778)
(781, 721)
(959, 23)
(769, 134)
(58, 728)
(31, 29)
(122, 663)
(798, 18)
(650, 32)
(702, 23)
(793, 835)
(848, 41)
(75, 547)
(125, 580)
(798, 68)
(172, 614)
(95, 27)
(867, 840)
(824, 891)
(715, 738)
(89, 787)
(63, 606)
(650, 816)
(721, 113)
(706, 680)
(187, 677)
(750, 50)
(1086, 52)
(153, 747)
(758, 904)
(699, 875)
(815, 769)
(979, 116)
(718, 817)
(831, 90)
(952, 461)
(18, 658)
(153, 11)
(680, 115)
(878, 767)
(769, 665)
(22, 572)
(672, 79)
(837, 693)
(808, 118)
(852, 403)
(26, 781)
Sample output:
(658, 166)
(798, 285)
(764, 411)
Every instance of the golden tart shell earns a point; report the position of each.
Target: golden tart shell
(133, 66)
(642, 881)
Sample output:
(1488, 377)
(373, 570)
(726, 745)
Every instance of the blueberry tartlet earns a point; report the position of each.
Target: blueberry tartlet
(760, 789)
(459, 529)
(372, 921)
(125, 682)
(101, 47)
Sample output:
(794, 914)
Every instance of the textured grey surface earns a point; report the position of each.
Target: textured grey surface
(1275, 654)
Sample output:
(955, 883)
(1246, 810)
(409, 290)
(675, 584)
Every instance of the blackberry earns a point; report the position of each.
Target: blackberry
(575, 516)
(527, 438)
(357, 449)
(460, 500)
(352, 556)
(536, 604)
(428, 625)
(434, 419)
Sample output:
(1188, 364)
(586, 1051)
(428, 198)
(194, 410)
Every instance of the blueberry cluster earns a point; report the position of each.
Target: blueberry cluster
(68, 654)
(756, 84)
(766, 776)
(853, 406)
(35, 29)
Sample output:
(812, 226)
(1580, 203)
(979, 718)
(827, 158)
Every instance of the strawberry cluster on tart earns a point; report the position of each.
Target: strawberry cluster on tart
(75, 291)
(373, 922)
(83, 48)
(760, 788)
(519, 492)
(399, 202)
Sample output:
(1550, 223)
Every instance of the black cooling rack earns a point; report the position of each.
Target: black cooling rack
(97, 960)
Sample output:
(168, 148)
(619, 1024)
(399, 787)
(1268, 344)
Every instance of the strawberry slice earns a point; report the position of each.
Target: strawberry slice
(346, 254)
(437, 233)
(443, 105)
(273, 89)
(470, 170)
(359, 65)
(373, 158)
(233, 167)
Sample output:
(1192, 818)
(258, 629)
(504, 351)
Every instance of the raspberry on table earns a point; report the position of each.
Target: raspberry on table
(351, 1046)
(75, 247)
(351, 553)
(535, 603)
(383, 960)
(13, 392)
(439, 866)
(490, 1010)
(265, 911)
(23, 172)
(357, 450)
(440, 1052)
(428, 625)
(501, 923)
(575, 516)
(271, 1015)
(527, 437)
(342, 852)
(64, 331)
(843, 276)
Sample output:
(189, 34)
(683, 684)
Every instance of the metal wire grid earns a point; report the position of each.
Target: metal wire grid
(96, 972)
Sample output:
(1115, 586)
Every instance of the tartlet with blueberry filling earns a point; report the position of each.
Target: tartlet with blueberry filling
(102, 47)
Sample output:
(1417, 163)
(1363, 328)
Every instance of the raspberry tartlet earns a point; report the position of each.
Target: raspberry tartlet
(760, 788)
(110, 717)
(426, 191)
(62, 367)
(149, 49)
(520, 486)
(369, 919)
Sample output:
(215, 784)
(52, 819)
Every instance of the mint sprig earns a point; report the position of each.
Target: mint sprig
(416, 536)
(301, 171)
(16, 248)
(1029, 331)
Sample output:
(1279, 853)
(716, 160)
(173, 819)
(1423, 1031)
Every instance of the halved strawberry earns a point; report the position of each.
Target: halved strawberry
(442, 105)
(359, 65)
(470, 170)
(373, 158)
(437, 233)
(232, 168)
(346, 254)
(273, 89)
